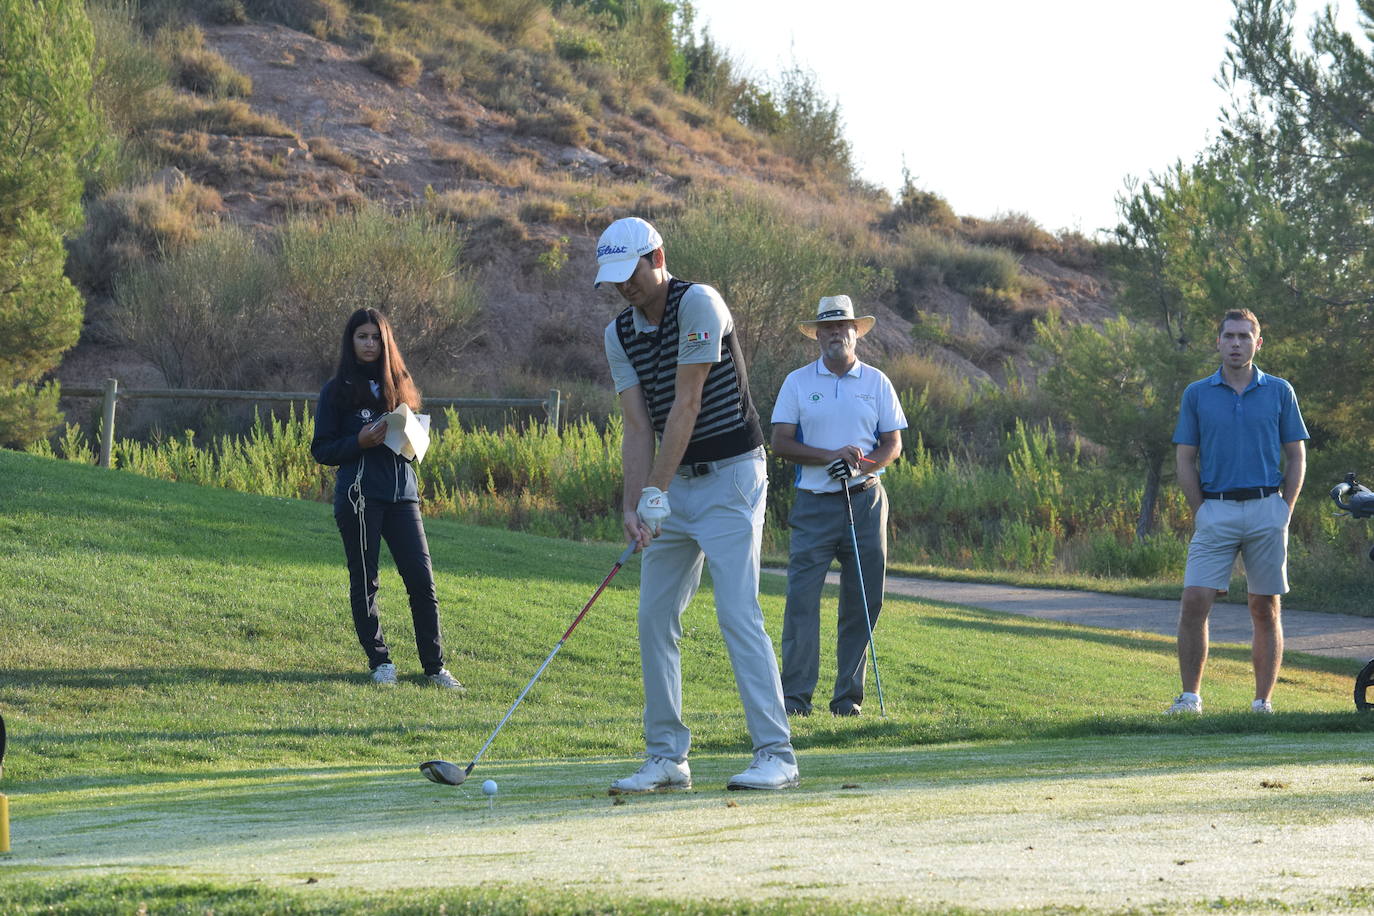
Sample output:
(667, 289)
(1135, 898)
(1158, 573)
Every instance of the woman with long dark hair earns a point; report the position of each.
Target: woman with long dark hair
(376, 495)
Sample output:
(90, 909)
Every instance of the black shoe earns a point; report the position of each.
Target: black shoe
(847, 709)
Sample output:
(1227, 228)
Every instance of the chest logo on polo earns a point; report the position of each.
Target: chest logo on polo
(865, 397)
(816, 396)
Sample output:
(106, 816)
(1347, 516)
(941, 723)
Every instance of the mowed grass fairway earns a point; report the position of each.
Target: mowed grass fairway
(192, 729)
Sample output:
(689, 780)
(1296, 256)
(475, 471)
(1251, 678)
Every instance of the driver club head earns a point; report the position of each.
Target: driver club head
(443, 772)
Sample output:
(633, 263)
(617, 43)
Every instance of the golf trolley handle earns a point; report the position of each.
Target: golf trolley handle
(1353, 497)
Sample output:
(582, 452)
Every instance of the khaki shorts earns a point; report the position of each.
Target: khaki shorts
(1255, 528)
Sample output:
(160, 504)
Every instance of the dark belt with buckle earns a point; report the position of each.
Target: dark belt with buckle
(702, 468)
(1240, 496)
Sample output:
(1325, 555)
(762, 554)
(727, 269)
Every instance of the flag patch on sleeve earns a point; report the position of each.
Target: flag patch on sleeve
(698, 336)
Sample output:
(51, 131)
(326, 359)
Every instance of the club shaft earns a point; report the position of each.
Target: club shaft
(599, 589)
(863, 593)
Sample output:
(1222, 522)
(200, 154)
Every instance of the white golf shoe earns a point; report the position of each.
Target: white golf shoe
(766, 772)
(445, 681)
(1185, 703)
(659, 774)
(1262, 706)
(384, 675)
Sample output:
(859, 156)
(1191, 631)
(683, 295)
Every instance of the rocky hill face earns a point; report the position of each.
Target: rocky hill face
(352, 134)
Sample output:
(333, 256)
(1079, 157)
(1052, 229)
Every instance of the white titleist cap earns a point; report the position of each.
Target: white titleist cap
(621, 246)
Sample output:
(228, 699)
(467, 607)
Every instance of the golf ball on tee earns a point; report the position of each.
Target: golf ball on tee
(489, 787)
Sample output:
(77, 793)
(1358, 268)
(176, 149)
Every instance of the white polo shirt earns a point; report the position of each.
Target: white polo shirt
(831, 411)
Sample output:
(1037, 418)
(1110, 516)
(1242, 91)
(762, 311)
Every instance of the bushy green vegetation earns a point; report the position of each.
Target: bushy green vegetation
(199, 68)
(396, 64)
(188, 312)
(1038, 508)
(50, 137)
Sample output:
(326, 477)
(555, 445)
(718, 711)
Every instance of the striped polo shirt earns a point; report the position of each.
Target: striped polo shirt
(696, 328)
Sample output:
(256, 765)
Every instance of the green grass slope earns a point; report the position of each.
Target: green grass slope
(192, 728)
(154, 627)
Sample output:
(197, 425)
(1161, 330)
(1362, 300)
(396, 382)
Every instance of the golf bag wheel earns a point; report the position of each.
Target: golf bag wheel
(1363, 681)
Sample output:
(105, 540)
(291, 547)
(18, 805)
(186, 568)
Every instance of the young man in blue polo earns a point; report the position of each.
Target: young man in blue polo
(1241, 462)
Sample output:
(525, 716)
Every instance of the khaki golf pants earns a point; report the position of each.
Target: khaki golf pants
(718, 518)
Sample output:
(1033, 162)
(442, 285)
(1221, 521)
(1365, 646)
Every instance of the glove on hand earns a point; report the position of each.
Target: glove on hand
(653, 509)
(839, 469)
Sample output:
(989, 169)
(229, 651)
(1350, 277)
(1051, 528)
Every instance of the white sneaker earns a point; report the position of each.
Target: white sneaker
(659, 774)
(766, 772)
(384, 675)
(444, 680)
(1262, 706)
(1185, 703)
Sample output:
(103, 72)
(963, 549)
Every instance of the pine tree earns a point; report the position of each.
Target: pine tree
(47, 131)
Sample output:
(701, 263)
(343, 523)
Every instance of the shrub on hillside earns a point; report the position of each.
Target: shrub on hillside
(325, 151)
(395, 64)
(541, 209)
(198, 68)
(321, 18)
(560, 122)
(992, 277)
(1079, 252)
(465, 207)
(916, 207)
(770, 267)
(578, 47)
(225, 116)
(469, 162)
(131, 225)
(1015, 231)
(517, 20)
(193, 152)
(226, 12)
(409, 265)
(191, 314)
(129, 74)
(367, 29)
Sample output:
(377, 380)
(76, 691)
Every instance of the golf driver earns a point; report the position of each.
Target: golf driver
(868, 619)
(451, 774)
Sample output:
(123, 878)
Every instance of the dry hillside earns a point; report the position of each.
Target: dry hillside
(532, 194)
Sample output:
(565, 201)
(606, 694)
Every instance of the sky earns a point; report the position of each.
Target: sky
(1044, 108)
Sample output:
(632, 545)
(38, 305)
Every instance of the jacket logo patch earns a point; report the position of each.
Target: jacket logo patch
(365, 413)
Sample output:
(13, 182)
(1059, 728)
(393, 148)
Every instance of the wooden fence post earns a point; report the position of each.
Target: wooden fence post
(552, 407)
(107, 421)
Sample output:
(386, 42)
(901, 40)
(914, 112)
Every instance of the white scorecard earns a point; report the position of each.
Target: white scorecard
(407, 432)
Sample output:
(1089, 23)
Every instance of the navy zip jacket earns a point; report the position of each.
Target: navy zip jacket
(387, 476)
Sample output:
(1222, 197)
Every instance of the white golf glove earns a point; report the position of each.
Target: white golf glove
(839, 469)
(653, 509)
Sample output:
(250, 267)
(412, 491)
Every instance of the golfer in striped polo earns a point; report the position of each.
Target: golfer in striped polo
(691, 431)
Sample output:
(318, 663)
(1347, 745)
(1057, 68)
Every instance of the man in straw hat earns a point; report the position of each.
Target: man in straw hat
(690, 424)
(840, 421)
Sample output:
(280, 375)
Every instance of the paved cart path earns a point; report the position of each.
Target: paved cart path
(1335, 635)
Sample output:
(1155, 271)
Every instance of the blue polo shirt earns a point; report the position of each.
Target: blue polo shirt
(1239, 437)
